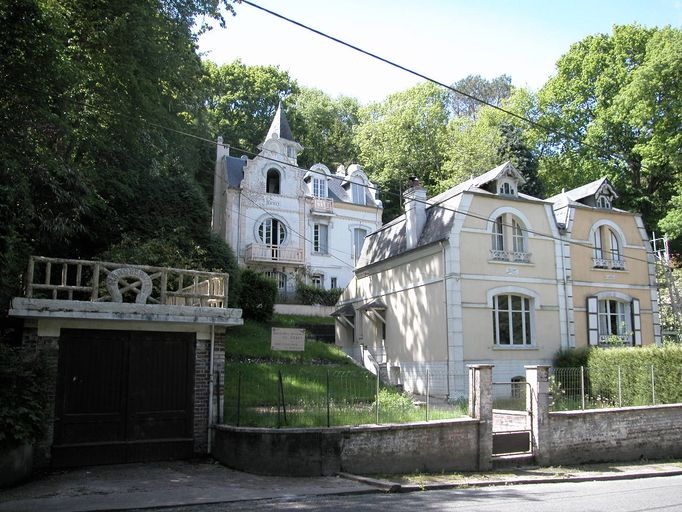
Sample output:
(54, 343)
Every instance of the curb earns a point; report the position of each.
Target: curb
(395, 487)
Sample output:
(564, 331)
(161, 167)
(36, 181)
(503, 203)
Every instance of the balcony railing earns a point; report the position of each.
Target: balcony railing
(322, 205)
(273, 253)
(100, 281)
(608, 264)
(510, 256)
(615, 339)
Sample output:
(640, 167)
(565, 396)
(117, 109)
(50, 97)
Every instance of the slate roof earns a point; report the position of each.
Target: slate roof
(581, 192)
(390, 241)
(280, 125)
(234, 171)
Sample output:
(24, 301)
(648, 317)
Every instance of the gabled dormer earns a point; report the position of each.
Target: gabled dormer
(598, 194)
(279, 142)
(503, 180)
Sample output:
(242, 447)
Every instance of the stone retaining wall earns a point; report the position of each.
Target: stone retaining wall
(443, 445)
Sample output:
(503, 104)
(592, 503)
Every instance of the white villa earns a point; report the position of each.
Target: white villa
(290, 223)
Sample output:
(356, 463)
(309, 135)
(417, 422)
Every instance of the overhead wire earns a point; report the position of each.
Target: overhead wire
(332, 176)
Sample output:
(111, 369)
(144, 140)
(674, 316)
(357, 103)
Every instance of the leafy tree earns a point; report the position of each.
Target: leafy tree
(615, 106)
(492, 92)
(324, 127)
(93, 97)
(258, 296)
(401, 137)
(242, 100)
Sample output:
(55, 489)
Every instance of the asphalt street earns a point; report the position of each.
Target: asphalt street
(652, 494)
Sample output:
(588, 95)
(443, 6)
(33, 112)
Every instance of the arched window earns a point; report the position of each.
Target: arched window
(507, 189)
(272, 182)
(358, 193)
(272, 232)
(509, 240)
(607, 249)
(319, 186)
(512, 325)
(603, 202)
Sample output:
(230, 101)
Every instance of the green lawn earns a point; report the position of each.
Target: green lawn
(318, 387)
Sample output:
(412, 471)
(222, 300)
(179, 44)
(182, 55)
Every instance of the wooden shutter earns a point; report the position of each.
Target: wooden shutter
(592, 321)
(636, 323)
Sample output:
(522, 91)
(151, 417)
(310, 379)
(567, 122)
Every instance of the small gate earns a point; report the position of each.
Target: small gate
(512, 421)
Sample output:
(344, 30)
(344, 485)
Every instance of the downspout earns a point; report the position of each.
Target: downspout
(447, 323)
(210, 388)
(566, 306)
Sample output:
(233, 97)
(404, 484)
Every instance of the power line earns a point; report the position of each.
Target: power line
(394, 64)
(333, 176)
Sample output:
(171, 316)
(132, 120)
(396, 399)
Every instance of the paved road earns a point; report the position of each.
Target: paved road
(660, 494)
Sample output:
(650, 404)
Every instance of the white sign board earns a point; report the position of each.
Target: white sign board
(287, 339)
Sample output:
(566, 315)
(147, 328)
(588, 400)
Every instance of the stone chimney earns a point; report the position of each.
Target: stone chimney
(415, 212)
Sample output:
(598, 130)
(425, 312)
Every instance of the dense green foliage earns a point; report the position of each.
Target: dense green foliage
(23, 396)
(641, 368)
(258, 295)
(308, 294)
(571, 357)
(93, 97)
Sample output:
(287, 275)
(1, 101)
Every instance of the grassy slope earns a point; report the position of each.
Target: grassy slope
(321, 375)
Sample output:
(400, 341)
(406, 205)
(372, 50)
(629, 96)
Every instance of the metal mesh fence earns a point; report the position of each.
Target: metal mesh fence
(318, 396)
(584, 388)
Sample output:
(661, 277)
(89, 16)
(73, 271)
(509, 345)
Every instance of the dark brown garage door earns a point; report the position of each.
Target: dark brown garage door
(123, 396)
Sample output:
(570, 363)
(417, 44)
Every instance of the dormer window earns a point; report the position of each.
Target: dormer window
(319, 186)
(506, 189)
(604, 202)
(358, 193)
(290, 152)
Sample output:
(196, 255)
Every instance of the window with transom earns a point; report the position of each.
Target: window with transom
(512, 322)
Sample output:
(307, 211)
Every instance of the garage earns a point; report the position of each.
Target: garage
(123, 396)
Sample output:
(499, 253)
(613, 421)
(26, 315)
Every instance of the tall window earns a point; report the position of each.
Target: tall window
(358, 240)
(603, 202)
(519, 240)
(333, 282)
(272, 232)
(512, 320)
(316, 280)
(606, 249)
(358, 192)
(272, 182)
(498, 234)
(320, 238)
(612, 318)
(319, 187)
(509, 240)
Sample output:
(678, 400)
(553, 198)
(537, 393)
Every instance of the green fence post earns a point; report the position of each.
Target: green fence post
(620, 389)
(376, 394)
(239, 394)
(328, 422)
(281, 393)
(653, 386)
(428, 375)
(582, 385)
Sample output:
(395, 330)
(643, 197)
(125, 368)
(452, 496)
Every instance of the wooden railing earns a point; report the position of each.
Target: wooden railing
(101, 281)
(274, 253)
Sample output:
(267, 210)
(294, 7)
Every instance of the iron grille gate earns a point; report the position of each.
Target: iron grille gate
(123, 396)
(512, 421)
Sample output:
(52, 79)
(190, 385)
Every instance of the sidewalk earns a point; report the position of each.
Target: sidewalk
(168, 484)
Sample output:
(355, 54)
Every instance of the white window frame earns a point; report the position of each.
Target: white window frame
(509, 239)
(524, 314)
(358, 193)
(319, 186)
(265, 233)
(317, 280)
(358, 242)
(321, 239)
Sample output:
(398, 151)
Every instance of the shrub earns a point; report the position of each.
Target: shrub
(23, 396)
(258, 295)
(572, 357)
(307, 294)
(635, 365)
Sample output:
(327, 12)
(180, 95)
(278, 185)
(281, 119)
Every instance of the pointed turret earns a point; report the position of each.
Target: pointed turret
(280, 125)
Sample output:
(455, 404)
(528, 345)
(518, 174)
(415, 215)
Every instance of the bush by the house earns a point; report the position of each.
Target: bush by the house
(571, 357)
(641, 369)
(258, 295)
(23, 396)
(307, 294)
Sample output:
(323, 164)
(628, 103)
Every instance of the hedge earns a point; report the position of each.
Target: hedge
(313, 295)
(636, 373)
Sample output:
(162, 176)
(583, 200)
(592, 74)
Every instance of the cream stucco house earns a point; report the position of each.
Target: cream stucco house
(484, 274)
(291, 223)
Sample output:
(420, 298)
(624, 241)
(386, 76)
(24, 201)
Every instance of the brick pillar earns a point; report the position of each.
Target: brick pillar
(481, 408)
(537, 402)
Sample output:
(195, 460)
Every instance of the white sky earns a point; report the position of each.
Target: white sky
(443, 39)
